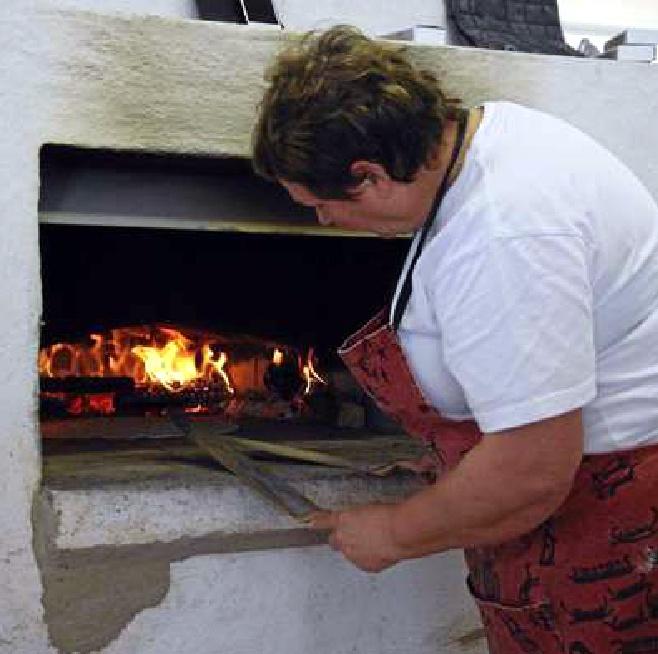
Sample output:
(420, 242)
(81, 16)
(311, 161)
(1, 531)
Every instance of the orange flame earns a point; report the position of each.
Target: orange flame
(217, 366)
(171, 366)
(158, 356)
(310, 375)
(161, 356)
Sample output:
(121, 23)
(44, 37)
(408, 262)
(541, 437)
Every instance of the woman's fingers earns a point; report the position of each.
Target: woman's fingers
(324, 520)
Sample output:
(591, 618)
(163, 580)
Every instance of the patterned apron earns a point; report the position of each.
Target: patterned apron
(583, 582)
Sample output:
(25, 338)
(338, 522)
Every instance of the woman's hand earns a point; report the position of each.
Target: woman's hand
(425, 467)
(364, 535)
(505, 486)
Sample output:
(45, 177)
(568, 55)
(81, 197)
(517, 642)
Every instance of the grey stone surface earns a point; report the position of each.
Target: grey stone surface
(198, 505)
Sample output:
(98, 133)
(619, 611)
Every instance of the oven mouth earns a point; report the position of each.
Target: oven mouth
(185, 284)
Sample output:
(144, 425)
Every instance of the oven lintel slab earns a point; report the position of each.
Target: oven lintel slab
(163, 85)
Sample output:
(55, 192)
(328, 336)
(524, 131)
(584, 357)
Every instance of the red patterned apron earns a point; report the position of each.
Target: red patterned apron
(583, 582)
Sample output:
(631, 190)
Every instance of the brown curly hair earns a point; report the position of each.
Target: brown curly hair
(337, 97)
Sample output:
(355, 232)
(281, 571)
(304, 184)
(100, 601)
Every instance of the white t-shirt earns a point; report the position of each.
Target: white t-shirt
(537, 290)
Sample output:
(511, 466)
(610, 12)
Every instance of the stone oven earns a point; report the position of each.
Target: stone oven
(110, 127)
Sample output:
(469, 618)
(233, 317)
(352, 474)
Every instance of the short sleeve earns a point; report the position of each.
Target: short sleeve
(516, 321)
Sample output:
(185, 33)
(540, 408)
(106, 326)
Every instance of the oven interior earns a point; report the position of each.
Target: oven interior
(187, 285)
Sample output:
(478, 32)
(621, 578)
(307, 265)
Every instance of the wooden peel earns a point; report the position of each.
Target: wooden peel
(308, 455)
(214, 440)
(300, 454)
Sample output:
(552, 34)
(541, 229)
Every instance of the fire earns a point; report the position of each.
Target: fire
(310, 375)
(205, 372)
(217, 366)
(160, 356)
(174, 365)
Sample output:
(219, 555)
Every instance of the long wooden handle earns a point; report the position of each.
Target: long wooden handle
(269, 486)
(298, 453)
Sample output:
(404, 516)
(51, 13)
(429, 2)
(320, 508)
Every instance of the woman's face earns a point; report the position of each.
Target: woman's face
(371, 209)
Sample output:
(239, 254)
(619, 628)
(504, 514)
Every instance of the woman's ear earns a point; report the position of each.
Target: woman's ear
(370, 173)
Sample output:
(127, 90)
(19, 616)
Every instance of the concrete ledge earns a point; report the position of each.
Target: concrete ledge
(206, 504)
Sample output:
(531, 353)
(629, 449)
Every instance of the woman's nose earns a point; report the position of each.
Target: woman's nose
(323, 218)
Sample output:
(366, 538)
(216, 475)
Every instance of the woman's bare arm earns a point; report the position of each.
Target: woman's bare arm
(504, 487)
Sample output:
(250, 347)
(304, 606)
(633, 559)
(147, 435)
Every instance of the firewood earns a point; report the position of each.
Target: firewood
(90, 385)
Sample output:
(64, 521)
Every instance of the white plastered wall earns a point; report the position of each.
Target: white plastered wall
(21, 625)
(373, 16)
(166, 85)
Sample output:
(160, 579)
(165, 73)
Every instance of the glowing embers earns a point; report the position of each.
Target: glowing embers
(151, 368)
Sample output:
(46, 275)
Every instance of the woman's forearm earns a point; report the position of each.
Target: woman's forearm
(492, 496)
(424, 525)
(505, 486)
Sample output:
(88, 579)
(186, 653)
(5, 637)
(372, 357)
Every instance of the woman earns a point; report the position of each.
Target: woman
(521, 345)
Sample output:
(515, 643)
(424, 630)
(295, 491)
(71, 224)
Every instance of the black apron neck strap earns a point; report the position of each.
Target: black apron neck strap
(405, 291)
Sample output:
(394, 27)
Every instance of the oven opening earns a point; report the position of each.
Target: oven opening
(190, 288)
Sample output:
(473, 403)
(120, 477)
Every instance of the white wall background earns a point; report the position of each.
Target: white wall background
(373, 16)
(598, 18)
(305, 602)
(635, 13)
(172, 8)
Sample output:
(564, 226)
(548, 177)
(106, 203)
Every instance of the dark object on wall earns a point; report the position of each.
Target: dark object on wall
(261, 11)
(225, 11)
(237, 11)
(521, 25)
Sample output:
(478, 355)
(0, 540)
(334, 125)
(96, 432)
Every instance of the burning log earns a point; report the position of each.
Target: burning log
(108, 395)
(282, 376)
(208, 399)
(87, 385)
(147, 369)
